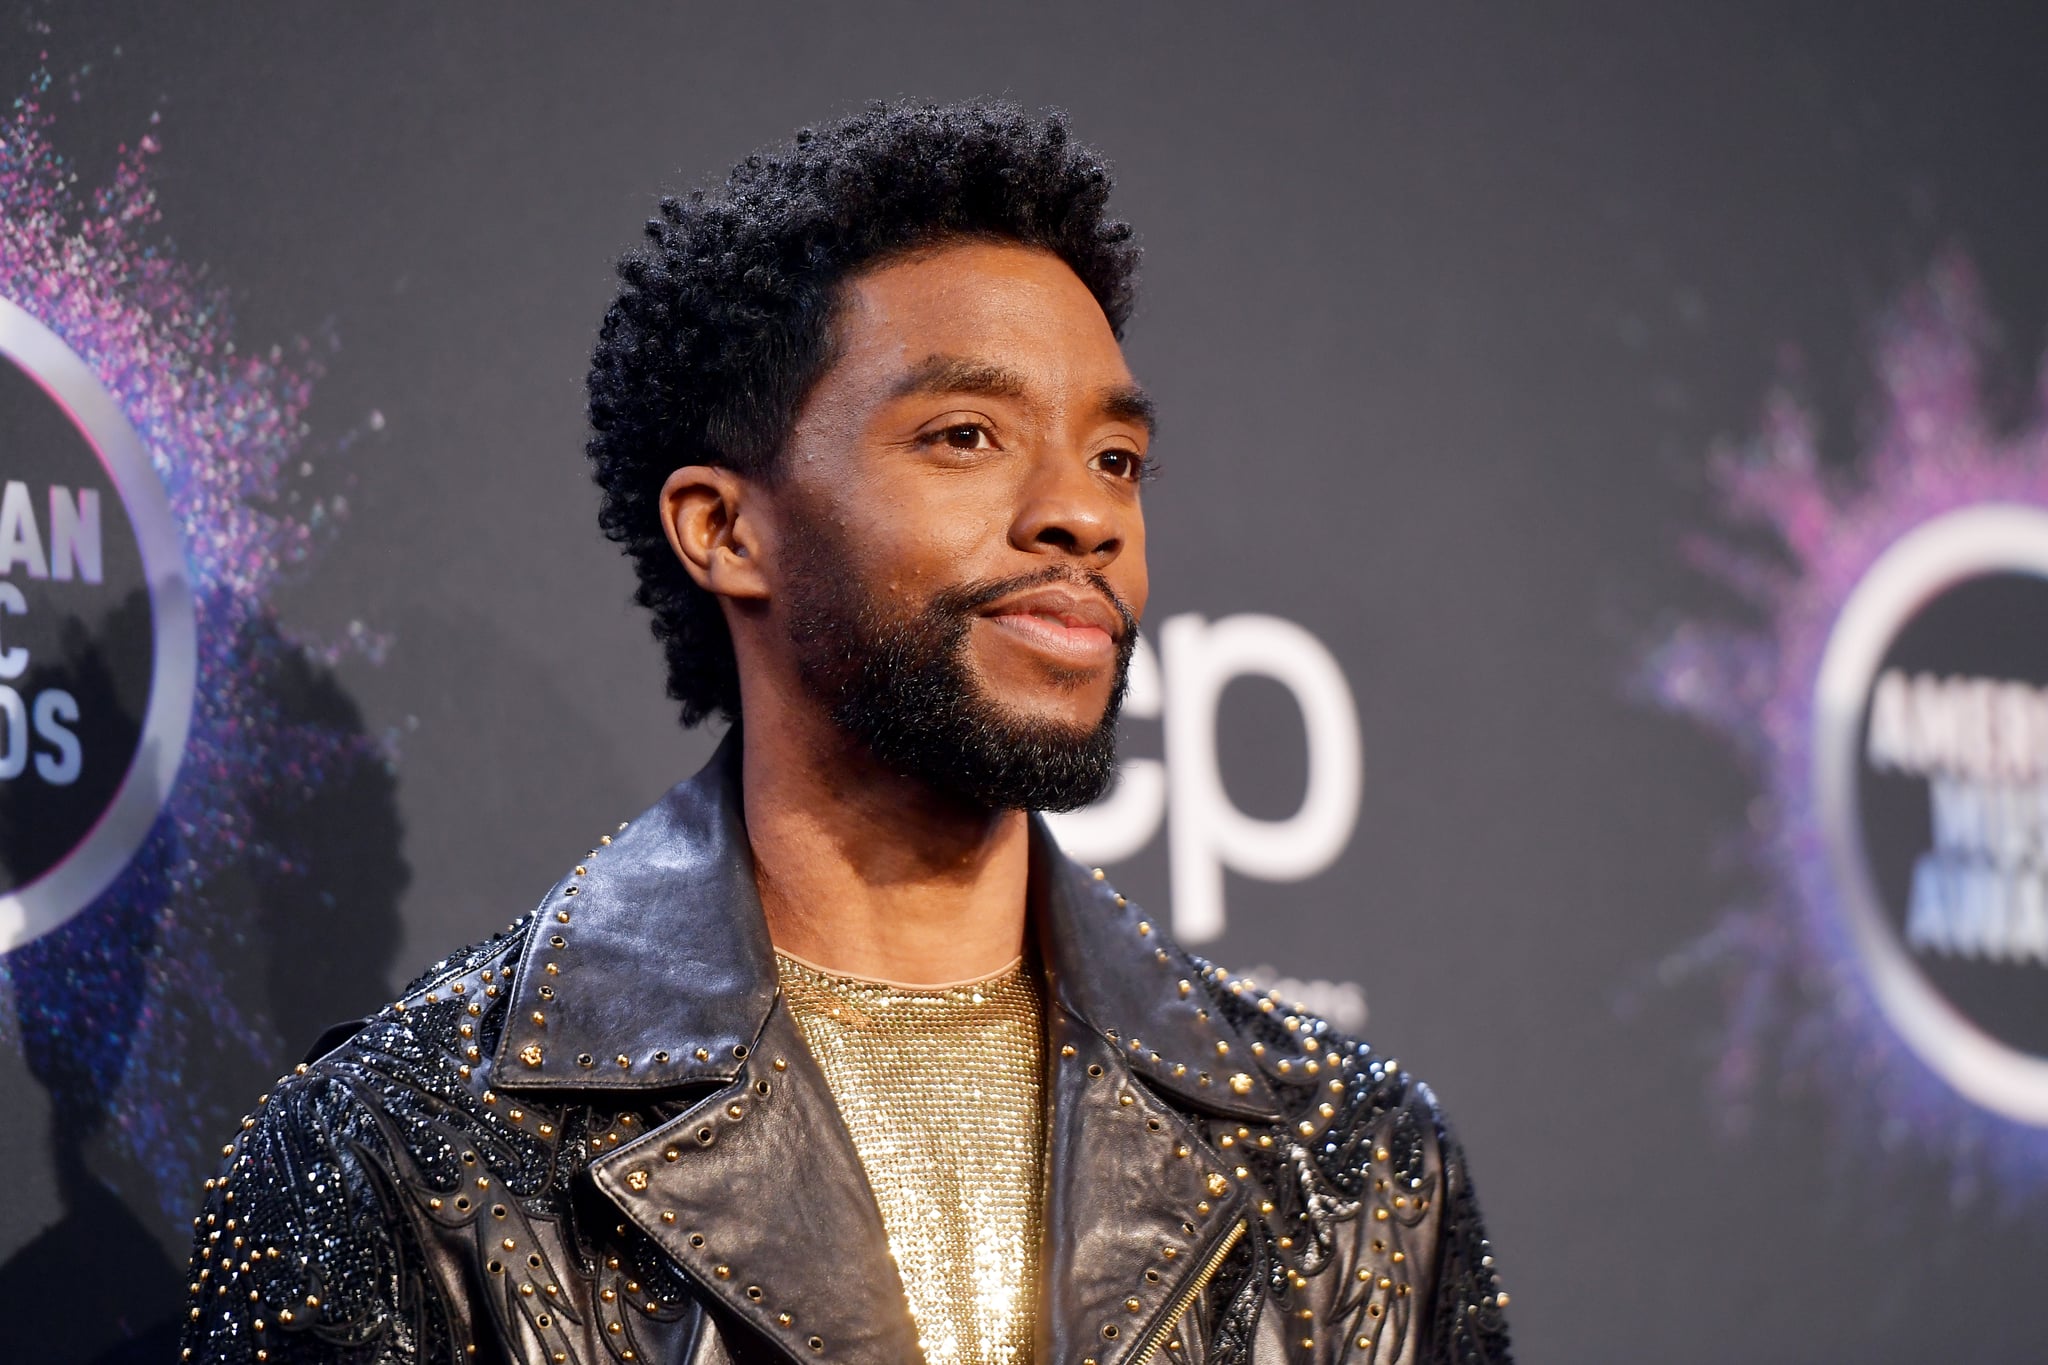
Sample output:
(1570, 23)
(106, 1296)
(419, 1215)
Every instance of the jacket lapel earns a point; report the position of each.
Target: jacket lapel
(1138, 1203)
(650, 969)
(758, 1194)
(1135, 1203)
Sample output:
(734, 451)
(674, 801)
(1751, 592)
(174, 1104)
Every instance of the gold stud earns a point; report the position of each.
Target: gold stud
(1217, 1184)
(1241, 1084)
(637, 1179)
(781, 1065)
(1222, 1048)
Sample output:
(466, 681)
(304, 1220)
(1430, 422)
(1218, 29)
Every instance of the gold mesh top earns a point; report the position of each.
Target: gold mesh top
(940, 1089)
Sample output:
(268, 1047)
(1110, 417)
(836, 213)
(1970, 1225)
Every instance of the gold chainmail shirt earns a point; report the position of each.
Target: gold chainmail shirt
(940, 1088)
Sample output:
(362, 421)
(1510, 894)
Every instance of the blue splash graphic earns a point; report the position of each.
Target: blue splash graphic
(1800, 1010)
(125, 1010)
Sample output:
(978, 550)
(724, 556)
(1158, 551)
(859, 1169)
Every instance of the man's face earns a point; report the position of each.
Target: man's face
(960, 561)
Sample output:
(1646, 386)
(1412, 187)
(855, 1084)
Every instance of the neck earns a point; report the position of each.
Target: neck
(866, 873)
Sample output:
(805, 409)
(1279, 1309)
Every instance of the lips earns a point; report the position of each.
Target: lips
(1071, 623)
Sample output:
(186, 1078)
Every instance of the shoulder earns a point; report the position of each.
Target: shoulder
(1336, 1092)
(307, 1234)
(1363, 1170)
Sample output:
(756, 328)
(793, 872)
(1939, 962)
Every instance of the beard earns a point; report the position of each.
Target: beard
(903, 689)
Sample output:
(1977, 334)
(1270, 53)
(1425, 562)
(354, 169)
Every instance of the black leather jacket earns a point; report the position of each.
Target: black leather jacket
(598, 1138)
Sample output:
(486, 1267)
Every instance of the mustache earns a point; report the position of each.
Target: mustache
(969, 598)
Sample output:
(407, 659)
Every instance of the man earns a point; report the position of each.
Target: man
(831, 1055)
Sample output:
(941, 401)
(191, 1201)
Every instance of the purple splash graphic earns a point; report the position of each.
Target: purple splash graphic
(125, 1012)
(1799, 1003)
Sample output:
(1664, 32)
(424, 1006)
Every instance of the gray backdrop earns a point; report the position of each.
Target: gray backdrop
(1444, 306)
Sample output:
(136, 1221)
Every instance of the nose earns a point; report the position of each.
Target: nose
(1066, 511)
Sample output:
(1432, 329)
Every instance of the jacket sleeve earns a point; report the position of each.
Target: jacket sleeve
(301, 1255)
(1468, 1323)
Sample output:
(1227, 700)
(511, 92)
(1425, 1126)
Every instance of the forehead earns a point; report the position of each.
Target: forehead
(995, 301)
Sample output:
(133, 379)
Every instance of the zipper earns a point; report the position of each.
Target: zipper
(1191, 1293)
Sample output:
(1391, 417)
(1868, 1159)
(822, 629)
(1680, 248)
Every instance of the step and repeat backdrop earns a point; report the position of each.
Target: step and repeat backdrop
(1599, 645)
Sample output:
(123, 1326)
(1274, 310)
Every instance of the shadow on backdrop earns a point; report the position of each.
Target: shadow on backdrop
(304, 929)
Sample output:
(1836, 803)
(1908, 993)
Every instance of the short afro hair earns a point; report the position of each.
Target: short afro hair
(722, 321)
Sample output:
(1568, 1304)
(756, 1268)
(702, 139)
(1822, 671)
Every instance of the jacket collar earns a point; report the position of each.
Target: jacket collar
(650, 966)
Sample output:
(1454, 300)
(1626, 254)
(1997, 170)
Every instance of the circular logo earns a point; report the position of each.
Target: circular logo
(1931, 772)
(98, 647)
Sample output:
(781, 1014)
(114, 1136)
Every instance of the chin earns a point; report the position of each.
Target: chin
(1072, 711)
(1037, 694)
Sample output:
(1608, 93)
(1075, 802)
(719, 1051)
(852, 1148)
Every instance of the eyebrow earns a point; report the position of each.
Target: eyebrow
(943, 374)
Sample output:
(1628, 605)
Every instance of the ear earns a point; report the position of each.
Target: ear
(709, 519)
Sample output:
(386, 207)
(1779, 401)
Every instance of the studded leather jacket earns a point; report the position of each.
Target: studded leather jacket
(598, 1138)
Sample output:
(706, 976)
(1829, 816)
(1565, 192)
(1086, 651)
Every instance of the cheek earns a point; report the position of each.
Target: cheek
(918, 538)
(1130, 576)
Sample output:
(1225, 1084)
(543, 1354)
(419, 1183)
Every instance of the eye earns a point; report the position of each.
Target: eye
(1128, 465)
(961, 436)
